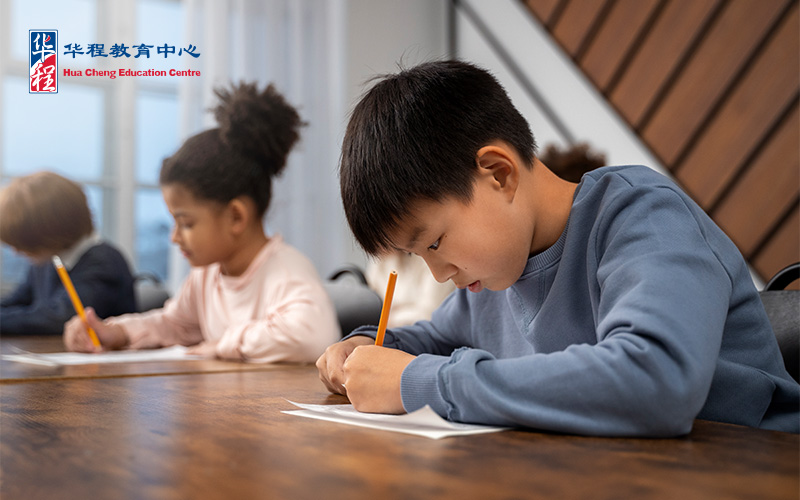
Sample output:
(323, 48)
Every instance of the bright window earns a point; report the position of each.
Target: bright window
(79, 131)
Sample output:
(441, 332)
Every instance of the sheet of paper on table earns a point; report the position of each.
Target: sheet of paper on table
(423, 422)
(174, 353)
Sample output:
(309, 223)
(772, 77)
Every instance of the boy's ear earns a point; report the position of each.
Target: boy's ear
(498, 165)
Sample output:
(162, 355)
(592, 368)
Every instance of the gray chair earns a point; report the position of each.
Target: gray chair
(783, 309)
(149, 291)
(355, 303)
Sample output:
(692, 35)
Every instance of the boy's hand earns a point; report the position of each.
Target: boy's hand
(76, 337)
(331, 363)
(372, 376)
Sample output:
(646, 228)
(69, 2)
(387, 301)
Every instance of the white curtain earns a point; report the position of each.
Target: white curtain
(299, 46)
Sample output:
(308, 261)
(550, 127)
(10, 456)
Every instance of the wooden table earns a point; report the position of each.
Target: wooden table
(17, 372)
(222, 435)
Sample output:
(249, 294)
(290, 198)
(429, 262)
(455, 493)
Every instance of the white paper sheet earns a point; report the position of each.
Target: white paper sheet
(174, 353)
(423, 422)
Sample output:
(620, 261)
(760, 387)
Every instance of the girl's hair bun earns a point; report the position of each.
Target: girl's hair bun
(262, 125)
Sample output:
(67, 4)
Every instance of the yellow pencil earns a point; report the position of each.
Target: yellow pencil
(387, 304)
(73, 295)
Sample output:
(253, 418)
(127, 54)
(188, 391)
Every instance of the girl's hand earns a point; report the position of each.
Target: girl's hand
(76, 336)
(372, 375)
(330, 364)
(206, 349)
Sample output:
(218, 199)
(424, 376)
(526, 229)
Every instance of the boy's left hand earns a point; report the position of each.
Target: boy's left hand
(372, 378)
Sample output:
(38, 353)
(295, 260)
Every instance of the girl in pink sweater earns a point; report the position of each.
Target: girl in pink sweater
(249, 296)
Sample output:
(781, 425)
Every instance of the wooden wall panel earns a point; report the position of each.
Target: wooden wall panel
(713, 89)
(544, 9)
(724, 51)
(766, 190)
(575, 23)
(650, 71)
(782, 249)
(615, 39)
(745, 119)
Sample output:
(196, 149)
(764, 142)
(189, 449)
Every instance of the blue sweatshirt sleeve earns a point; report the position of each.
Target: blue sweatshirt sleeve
(45, 309)
(39, 318)
(22, 295)
(659, 296)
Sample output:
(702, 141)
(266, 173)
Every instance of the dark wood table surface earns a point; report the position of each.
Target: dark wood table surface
(222, 435)
(12, 371)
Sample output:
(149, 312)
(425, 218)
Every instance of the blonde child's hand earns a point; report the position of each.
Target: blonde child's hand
(76, 337)
(372, 375)
(332, 360)
(206, 349)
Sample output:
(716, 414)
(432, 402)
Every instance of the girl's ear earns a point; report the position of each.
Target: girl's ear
(238, 214)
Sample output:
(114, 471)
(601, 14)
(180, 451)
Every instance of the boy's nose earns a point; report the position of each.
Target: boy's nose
(173, 237)
(442, 271)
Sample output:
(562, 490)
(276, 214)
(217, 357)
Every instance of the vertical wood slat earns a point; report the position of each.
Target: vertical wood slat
(749, 113)
(544, 9)
(614, 38)
(575, 23)
(766, 191)
(672, 35)
(782, 249)
(728, 45)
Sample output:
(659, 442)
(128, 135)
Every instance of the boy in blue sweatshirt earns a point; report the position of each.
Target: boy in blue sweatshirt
(610, 307)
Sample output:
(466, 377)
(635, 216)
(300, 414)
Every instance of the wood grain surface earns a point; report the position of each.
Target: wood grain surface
(222, 435)
(13, 371)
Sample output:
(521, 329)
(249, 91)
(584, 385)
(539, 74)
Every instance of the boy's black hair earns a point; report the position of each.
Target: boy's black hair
(415, 135)
(257, 129)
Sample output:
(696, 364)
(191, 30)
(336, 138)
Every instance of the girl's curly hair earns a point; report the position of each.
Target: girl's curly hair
(256, 132)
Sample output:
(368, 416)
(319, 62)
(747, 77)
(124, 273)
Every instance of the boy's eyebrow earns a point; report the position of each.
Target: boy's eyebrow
(416, 232)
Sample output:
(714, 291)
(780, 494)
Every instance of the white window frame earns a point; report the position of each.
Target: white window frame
(115, 21)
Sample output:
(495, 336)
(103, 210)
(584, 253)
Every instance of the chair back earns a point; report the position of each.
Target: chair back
(150, 292)
(355, 303)
(783, 309)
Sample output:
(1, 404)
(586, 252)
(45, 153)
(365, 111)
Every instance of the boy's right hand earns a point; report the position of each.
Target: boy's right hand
(331, 363)
(76, 337)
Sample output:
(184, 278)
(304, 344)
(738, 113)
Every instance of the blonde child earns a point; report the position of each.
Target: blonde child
(249, 296)
(45, 214)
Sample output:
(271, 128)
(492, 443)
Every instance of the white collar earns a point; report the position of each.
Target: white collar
(72, 255)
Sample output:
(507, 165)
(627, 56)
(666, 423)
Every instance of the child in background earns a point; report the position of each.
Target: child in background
(573, 161)
(611, 307)
(249, 296)
(45, 214)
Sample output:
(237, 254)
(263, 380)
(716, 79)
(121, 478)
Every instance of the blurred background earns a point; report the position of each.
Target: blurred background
(705, 91)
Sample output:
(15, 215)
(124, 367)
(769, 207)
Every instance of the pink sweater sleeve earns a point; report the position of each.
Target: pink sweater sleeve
(291, 318)
(175, 323)
(296, 325)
